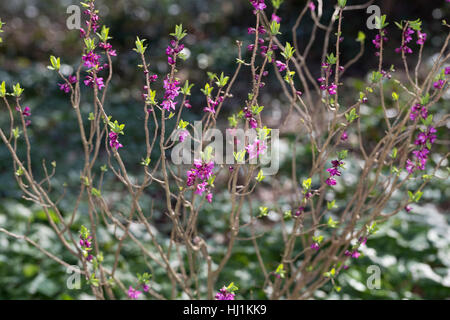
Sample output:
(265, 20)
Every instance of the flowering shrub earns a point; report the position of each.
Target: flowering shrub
(319, 240)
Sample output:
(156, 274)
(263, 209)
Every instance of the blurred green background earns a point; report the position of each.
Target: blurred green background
(412, 250)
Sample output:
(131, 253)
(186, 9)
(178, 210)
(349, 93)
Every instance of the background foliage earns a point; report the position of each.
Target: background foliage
(413, 250)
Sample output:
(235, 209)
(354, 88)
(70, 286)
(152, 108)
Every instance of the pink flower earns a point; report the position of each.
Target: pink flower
(344, 136)
(25, 112)
(183, 134)
(332, 89)
(72, 79)
(114, 141)
(315, 246)
(172, 90)
(91, 60)
(276, 18)
(223, 294)
(299, 211)
(410, 166)
(280, 65)
(438, 85)
(64, 87)
(133, 293)
(312, 6)
(421, 37)
(331, 182)
(258, 5)
(256, 148)
(89, 81)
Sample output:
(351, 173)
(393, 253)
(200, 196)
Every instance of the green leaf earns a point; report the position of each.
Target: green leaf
(16, 132)
(415, 25)
(222, 81)
(263, 212)
(287, 215)
(104, 35)
(288, 51)
(96, 193)
(274, 28)
(342, 154)
(361, 36)
(89, 43)
(146, 162)
(331, 205)
(206, 156)
(232, 287)
(373, 228)
(207, 90)
(179, 32)
(280, 271)
(394, 153)
(186, 90)
(17, 90)
(331, 59)
(2, 90)
(140, 48)
(351, 115)
(376, 76)
(306, 184)
(317, 239)
(399, 25)
(55, 63)
(342, 3)
(260, 177)
(425, 99)
(232, 121)
(183, 124)
(332, 223)
(380, 22)
(277, 3)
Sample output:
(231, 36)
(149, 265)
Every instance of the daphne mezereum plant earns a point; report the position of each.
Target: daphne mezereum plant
(319, 240)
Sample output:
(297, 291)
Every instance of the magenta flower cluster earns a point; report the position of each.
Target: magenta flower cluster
(133, 293)
(223, 294)
(256, 148)
(86, 245)
(424, 140)
(250, 118)
(173, 50)
(65, 86)
(93, 22)
(91, 60)
(114, 141)
(334, 171)
(354, 253)
(407, 36)
(26, 113)
(200, 175)
(377, 41)
(172, 90)
(331, 88)
(258, 5)
(212, 104)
